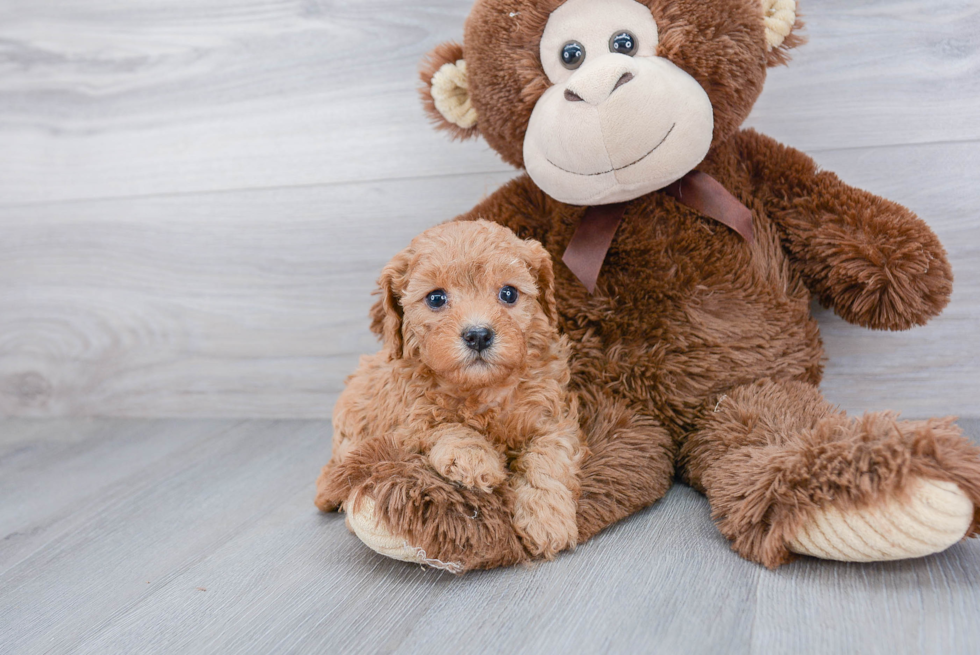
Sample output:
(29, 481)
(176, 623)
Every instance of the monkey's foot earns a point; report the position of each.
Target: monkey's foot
(365, 524)
(936, 515)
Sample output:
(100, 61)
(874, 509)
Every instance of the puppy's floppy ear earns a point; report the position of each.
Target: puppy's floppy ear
(387, 314)
(445, 91)
(539, 261)
(783, 27)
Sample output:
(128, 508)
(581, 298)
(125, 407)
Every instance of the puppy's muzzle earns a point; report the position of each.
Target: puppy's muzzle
(478, 338)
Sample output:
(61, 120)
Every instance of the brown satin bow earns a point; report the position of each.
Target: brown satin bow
(594, 234)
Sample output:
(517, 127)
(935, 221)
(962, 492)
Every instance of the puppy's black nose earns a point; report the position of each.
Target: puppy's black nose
(478, 338)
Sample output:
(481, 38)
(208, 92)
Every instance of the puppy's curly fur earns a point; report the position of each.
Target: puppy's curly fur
(498, 421)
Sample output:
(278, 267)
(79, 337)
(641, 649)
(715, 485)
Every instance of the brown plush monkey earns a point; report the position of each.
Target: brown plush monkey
(696, 351)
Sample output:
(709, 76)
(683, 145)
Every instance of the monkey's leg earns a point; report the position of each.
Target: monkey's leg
(630, 463)
(401, 508)
(786, 472)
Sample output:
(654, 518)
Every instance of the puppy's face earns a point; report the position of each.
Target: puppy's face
(470, 294)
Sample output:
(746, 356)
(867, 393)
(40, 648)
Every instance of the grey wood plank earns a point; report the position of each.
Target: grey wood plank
(254, 303)
(295, 581)
(53, 474)
(110, 99)
(148, 528)
(279, 577)
(218, 305)
(120, 99)
(916, 606)
(875, 73)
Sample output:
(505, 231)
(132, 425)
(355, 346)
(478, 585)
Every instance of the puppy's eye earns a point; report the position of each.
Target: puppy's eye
(572, 55)
(622, 43)
(508, 295)
(436, 299)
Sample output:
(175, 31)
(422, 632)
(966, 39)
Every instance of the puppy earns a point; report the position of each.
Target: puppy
(473, 375)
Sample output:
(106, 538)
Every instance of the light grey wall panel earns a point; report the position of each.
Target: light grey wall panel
(102, 99)
(246, 303)
(254, 303)
(195, 197)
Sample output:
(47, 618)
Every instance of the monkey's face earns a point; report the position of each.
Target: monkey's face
(617, 121)
(606, 100)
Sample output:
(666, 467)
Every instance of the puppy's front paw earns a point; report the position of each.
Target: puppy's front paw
(475, 466)
(544, 519)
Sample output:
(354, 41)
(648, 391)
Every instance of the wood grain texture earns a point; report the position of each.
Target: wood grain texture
(195, 197)
(254, 303)
(196, 536)
(235, 304)
(106, 99)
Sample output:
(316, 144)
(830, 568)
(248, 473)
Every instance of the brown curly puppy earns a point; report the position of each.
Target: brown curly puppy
(473, 378)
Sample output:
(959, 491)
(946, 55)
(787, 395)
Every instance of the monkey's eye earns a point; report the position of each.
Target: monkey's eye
(436, 299)
(508, 295)
(622, 43)
(572, 55)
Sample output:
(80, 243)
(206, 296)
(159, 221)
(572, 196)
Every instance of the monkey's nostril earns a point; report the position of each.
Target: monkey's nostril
(624, 78)
(571, 96)
(478, 339)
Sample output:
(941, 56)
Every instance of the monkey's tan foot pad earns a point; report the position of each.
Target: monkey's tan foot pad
(366, 526)
(935, 517)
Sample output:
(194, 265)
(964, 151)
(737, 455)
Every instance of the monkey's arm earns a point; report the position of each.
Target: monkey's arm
(873, 261)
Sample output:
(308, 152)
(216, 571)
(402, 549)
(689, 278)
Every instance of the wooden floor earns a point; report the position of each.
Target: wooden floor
(200, 536)
(195, 199)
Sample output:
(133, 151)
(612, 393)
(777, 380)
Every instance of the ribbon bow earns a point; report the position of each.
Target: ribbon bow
(588, 247)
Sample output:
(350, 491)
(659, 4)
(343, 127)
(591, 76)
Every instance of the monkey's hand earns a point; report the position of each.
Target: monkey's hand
(874, 262)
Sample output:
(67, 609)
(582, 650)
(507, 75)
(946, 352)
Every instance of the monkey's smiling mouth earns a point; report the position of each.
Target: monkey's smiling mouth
(613, 170)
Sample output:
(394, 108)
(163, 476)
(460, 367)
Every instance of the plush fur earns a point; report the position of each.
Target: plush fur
(771, 453)
(496, 430)
(698, 352)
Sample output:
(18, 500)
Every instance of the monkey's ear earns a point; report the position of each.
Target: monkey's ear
(782, 30)
(387, 314)
(445, 91)
(539, 261)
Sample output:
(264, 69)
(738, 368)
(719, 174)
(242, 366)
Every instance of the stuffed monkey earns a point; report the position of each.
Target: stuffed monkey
(687, 250)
